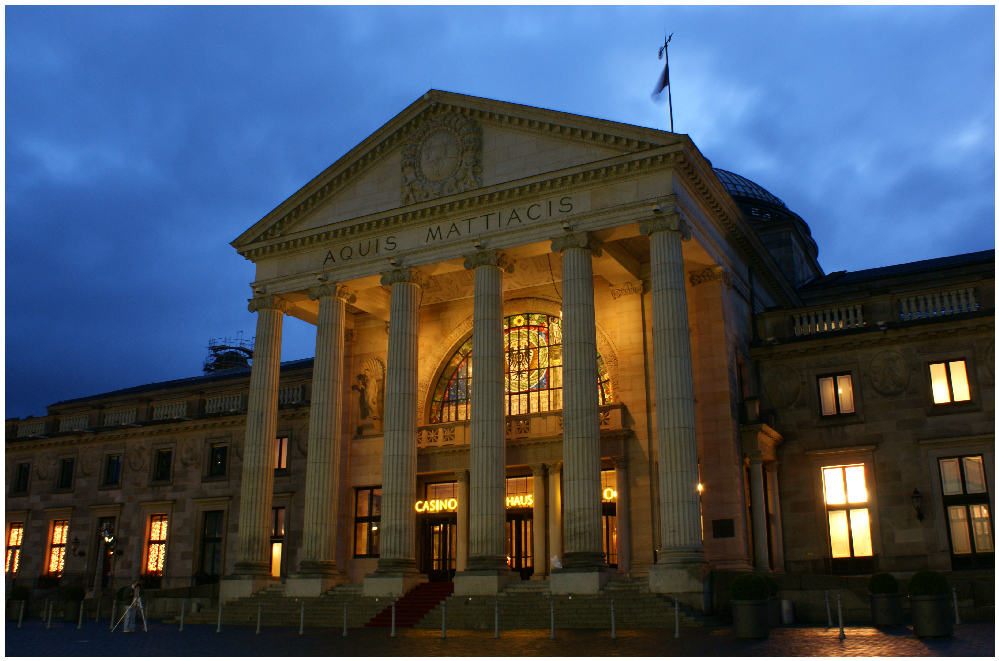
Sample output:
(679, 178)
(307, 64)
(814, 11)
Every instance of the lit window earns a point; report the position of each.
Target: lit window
(277, 540)
(14, 536)
(57, 547)
(367, 517)
(112, 469)
(849, 526)
(969, 521)
(156, 551)
(281, 453)
(950, 382)
(836, 394)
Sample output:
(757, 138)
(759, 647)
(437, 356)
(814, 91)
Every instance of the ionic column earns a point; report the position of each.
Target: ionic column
(776, 525)
(580, 403)
(759, 507)
(623, 516)
(253, 558)
(540, 559)
(318, 570)
(487, 433)
(461, 559)
(676, 441)
(554, 513)
(398, 519)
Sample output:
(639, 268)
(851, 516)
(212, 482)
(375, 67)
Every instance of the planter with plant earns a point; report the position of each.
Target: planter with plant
(930, 603)
(750, 606)
(886, 602)
(18, 594)
(773, 601)
(73, 596)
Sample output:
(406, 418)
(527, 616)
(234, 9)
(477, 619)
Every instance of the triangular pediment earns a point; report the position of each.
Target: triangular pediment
(445, 144)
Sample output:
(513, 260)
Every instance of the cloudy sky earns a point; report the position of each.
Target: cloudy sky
(141, 140)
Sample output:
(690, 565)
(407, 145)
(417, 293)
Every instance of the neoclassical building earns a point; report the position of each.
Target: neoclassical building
(665, 384)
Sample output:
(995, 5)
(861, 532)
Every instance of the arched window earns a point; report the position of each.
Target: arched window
(533, 350)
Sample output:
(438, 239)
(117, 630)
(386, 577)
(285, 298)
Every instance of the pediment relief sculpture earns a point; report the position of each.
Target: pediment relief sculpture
(442, 157)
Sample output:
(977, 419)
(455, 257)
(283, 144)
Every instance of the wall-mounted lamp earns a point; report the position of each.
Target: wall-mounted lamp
(74, 545)
(917, 502)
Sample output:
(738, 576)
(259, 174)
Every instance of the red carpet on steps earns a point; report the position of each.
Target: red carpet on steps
(412, 606)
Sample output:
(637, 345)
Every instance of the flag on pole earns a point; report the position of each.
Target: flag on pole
(663, 81)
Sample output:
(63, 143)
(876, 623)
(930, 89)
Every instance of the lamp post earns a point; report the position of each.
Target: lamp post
(106, 541)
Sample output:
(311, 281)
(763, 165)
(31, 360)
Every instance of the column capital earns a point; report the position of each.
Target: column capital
(711, 274)
(483, 257)
(581, 240)
(755, 457)
(404, 274)
(620, 462)
(665, 218)
(772, 466)
(555, 468)
(268, 302)
(331, 289)
(538, 470)
(461, 475)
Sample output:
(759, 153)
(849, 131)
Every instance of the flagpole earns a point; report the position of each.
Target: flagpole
(669, 88)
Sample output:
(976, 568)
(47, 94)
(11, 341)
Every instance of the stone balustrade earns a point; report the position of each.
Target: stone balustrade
(170, 410)
(230, 402)
(829, 319)
(935, 304)
(34, 427)
(116, 417)
(290, 395)
(75, 422)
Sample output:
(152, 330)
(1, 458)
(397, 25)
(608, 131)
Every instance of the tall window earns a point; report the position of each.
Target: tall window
(969, 522)
(950, 382)
(156, 549)
(217, 458)
(533, 371)
(281, 453)
(164, 463)
(65, 477)
(836, 394)
(112, 469)
(14, 536)
(57, 547)
(848, 517)
(277, 539)
(22, 473)
(367, 517)
(211, 543)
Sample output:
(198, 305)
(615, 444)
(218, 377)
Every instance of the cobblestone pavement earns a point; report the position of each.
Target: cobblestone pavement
(63, 639)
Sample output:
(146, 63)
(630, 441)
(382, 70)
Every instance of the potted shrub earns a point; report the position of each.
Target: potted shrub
(931, 609)
(886, 603)
(750, 607)
(74, 601)
(18, 594)
(773, 601)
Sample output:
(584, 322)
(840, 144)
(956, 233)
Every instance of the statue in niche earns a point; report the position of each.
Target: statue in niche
(370, 387)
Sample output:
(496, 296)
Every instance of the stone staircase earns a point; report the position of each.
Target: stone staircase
(413, 606)
(527, 605)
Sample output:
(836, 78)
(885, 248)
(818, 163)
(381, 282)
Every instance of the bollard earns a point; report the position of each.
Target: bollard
(613, 629)
(260, 608)
(79, 622)
(97, 613)
(393, 620)
(345, 618)
(496, 619)
(218, 628)
(957, 614)
(444, 620)
(183, 610)
(839, 611)
(553, 619)
(114, 607)
(828, 612)
(301, 623)
(676, 617)
(20, 618)
(48, 620)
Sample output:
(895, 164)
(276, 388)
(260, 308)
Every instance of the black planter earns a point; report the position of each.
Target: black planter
(750, 618)
(886, 610)
(71, 611)
(932, 615)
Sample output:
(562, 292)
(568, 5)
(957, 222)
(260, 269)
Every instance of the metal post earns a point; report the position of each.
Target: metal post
(496, 619)
(676, 617)
(79, 621)
(957, 613)
(828, 612)
(839, 611)
(218, 627)
(444, 620)
(393, 620)
(345, 618)
(114, 607)
(48, 619)
(183, 610)
(20, 618)
(260, 609)
(553, 619)
(97, 611)
(613, 629)
(97, 565)
(301, 622)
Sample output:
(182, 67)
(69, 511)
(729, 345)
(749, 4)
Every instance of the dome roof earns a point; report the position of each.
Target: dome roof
(739, 186)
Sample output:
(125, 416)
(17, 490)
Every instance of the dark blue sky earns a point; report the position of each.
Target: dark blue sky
(141, 140)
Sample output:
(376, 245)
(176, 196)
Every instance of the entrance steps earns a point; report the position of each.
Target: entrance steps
(527, 605)
(413, 606)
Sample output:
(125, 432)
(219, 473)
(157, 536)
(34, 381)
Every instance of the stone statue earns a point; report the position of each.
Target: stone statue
(369, 389)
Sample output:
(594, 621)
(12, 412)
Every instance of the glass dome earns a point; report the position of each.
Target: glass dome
(739, 186)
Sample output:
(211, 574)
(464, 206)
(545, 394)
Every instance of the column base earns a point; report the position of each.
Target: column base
(236, 586)
(312, 585)
(578, 580)
(391, 584)
(684, 580)
(483, 582)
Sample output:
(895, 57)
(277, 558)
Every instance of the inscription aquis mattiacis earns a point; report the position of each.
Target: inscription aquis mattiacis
(472, 227)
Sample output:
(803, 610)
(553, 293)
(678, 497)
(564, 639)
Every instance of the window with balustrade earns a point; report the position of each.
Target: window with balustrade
(532, 371)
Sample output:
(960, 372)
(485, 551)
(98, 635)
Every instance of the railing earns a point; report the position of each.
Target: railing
(75, 423)
(936, 304)
(225, 403)
(170, 410)
(117, 417)
(30, 428)
(290, 395)
(830, 319)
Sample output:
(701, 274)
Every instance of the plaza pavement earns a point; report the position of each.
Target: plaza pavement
(64, 640)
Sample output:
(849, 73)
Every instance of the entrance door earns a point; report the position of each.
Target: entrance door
(520, 542)
(439, 535)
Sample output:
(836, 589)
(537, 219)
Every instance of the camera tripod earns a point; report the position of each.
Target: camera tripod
(136, 602)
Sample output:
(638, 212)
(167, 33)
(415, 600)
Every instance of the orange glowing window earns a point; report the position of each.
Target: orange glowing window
(14, 547)
(156, 551)
(949, 382)
(849, 526)
(57, 547)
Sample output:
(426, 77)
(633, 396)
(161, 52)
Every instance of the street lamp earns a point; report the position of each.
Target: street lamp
(74, 545)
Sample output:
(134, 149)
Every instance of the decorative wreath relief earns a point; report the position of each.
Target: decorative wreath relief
(442, 157)
(782, 385)
(137, 457)
(889, 373)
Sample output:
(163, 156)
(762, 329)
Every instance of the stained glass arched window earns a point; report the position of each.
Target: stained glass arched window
(533, 350)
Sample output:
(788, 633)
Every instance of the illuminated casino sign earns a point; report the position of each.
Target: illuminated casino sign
(440, 505)
(523, 500)
(609, 495)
